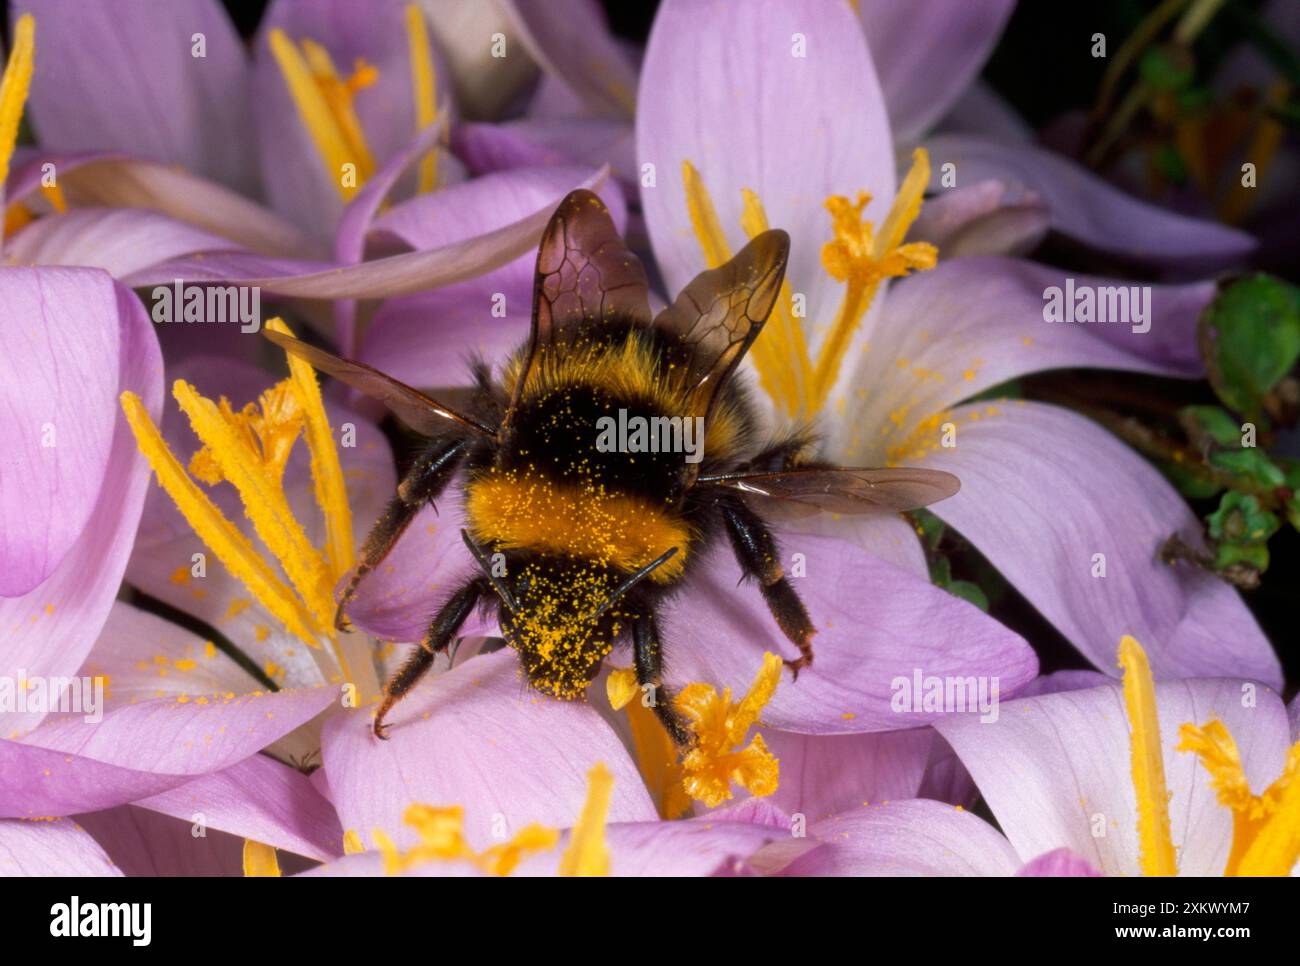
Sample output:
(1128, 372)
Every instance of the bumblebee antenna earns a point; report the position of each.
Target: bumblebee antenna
(633, 580)
(485, 565)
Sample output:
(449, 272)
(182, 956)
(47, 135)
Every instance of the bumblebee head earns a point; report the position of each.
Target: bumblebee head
(560, 625)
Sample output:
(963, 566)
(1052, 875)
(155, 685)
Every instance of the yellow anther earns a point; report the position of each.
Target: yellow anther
(442, 839)
(656, 754)
(1155, 841)
(717, 759)
(1266, 828)
(14, 86)
(325, 104)
(260, 860)
(424, 90)
(587, 853)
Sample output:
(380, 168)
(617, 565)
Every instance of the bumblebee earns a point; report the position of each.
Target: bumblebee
(579, 533)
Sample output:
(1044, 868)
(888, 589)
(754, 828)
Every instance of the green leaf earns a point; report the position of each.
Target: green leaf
(1165, 69)
(1235, 554)
(1212, 421)
(1189, 484)
(1250, 338)
(1240, 520)
(1252, 464)
(969, 592)
(931, 529)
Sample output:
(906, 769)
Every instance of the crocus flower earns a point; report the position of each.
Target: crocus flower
(893, 368)
(1177, 778)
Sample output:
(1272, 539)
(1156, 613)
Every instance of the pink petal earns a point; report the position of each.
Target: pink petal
(50, 629)
(927, 53)
(981, 219)
(1058, 862)
(476, 737)
(1043, 491)
(906, 838)
(1055, 770)
(876, 623)
(58, 847)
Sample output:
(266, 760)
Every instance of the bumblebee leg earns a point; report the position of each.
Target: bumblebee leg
(424, 481)
(442, 631)
(756, 551)
(648, 659)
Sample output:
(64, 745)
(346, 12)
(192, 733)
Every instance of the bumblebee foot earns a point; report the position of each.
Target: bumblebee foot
(798, 664)
(381, 729)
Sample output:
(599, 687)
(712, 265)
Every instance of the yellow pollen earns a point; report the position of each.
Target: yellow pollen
(423, 88)
(260, 860)
(656, 754)
(249, 449)
(857, 255)
(721, 726)
(325, 102)
(1266, 828)
(352, 844)
(14, 86)
(587, 855)
(442, 839)
(1155, 841)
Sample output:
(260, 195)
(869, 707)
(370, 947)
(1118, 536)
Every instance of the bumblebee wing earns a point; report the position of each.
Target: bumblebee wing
(585, 276)
(717, 317)
(841, 489)
(414, 408)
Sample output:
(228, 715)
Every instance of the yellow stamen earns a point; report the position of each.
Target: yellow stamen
(14, 87)
(862, 258)
(423, 88)
(221, 536)
(1155, 841)
(325, 104)
(656, 754)
(717, 759)
(587, 854)
(352, 844)
(258, 481)
(326, 470)
(260, 860)
(442, 839)
(1266, 828)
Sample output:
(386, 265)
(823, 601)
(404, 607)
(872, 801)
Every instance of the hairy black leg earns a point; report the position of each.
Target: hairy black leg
(424, 481)
(442, 631)
(756, 550)
(648, 659)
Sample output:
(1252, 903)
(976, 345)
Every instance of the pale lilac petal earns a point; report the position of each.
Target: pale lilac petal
(143, 843)
(876, 624)
(696, 847)
(946, 778)
(822, 775)
(476, 737)
(1086, 208)
(402, 274)
(906, 838)
(721, 88)
(58, 847)
(1071, 680)
(258, 799)
(125, 77)
(59, 366)
(1043, 491)
(1058, 862)
(974, 323)
(927, 53)
(567, 140)
(1055, 770)
(981, 219)
(114, 182)
(554, 31)
(49, 630)
(121, 241)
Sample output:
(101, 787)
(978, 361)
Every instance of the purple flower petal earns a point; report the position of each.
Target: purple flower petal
(981, 219)
(59, 366)
(476, 737)
(58, 847)
(1043, 491)
(49, 630)
(566, 140)
(1088, 209)
(89, 90)
(723, 88)
(143, 843)
(927, 53)
(1055, 768)
(876, 624)
(1058, 862)
(910, 838)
